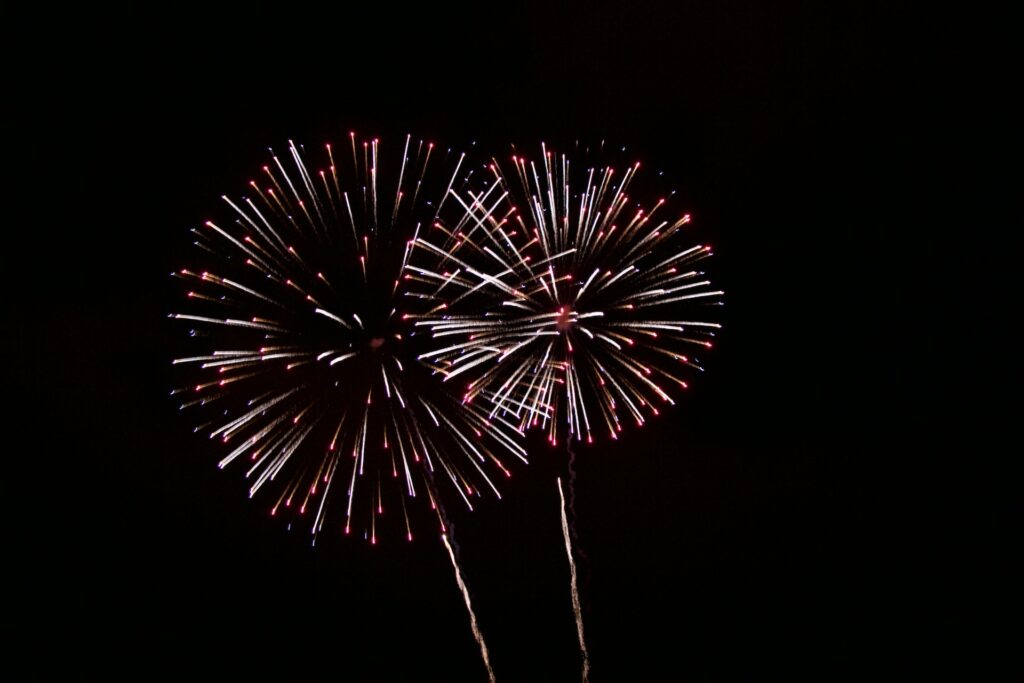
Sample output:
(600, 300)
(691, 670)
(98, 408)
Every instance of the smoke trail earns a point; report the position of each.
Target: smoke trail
(575, 591)
(469, 608)
(571, 500)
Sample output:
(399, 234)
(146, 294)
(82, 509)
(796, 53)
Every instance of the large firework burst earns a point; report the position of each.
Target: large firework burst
(304, 368)
(561, 299)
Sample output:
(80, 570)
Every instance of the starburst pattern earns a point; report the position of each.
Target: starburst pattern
(303, 365)
(561, 299)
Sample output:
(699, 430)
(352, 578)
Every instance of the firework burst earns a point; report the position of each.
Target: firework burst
(560, 299)
(303, 365)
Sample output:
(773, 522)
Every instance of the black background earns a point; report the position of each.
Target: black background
(792, 515)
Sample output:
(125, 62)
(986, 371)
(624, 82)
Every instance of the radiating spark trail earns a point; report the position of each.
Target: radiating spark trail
(484, 653)
(576, 609)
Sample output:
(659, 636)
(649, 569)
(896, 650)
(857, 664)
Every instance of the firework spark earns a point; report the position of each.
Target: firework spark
(561, 300)
(304, 366)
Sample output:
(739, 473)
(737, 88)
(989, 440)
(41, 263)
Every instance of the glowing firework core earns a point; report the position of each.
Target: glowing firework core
(376, 343)
(565, 319)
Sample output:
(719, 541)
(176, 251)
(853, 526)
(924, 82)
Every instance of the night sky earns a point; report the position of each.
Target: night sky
(784, 518)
